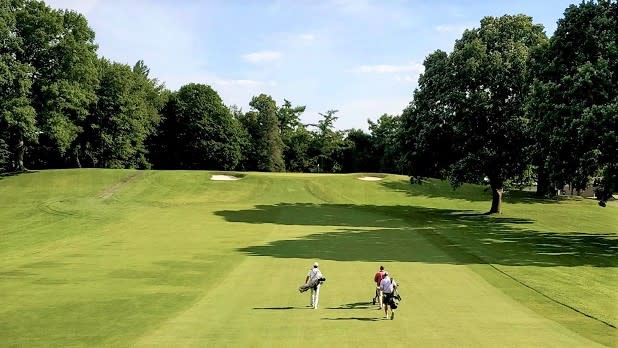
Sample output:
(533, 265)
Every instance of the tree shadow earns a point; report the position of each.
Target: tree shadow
(10, 174)
(468, 192)
(413, 234)
(311, 214)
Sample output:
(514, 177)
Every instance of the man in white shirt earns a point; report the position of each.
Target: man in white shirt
(388, 287)
(314, 275)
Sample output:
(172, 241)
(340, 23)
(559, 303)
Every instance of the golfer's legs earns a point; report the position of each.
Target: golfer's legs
(381, 298)
(317, 297)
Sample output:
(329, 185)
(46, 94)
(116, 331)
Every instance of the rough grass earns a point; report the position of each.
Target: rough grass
(172, 258)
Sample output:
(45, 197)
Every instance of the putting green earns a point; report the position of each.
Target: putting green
(173, 258)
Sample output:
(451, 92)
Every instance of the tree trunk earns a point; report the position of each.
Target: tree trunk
(497, 188)
(543, 186)
(76, 153)
(19, 156)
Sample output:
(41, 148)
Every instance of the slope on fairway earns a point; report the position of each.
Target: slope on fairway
(173, 258)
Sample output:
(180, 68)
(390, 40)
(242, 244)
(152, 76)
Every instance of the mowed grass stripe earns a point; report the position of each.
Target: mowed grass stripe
(131, 269)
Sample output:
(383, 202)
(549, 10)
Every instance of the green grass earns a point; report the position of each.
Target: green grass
(171, 258)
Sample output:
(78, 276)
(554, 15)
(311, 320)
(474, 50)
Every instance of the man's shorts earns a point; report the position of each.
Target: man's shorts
(387, 298)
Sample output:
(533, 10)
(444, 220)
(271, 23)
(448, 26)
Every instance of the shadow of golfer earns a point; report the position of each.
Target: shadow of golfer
(353, 318)
(355, 305)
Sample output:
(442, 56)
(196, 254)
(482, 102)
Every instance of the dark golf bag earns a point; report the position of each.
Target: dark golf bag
(312, 284)
(393, 301)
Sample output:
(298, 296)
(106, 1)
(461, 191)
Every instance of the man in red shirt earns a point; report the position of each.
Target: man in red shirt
(377, 279)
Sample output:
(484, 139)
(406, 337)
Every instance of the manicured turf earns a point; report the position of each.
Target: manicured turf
(171, 258)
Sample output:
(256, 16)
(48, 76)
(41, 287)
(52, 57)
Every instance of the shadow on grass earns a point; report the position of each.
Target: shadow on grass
(354, 318)
(413, 234)
(4, 175)
(279, 308)
(356, 305)
(353, 215)
(472, 193)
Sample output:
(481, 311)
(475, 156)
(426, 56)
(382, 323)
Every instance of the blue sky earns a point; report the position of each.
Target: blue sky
(361, 57)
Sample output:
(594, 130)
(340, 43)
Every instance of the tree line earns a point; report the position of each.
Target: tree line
(62, 105)
(507, 106)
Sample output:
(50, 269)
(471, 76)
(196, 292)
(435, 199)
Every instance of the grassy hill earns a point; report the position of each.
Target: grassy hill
(118, 257)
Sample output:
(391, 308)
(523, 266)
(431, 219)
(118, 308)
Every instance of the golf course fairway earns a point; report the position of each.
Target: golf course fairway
(95, 257)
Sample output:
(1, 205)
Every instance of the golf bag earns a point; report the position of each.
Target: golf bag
(311, 284)
(394, 300)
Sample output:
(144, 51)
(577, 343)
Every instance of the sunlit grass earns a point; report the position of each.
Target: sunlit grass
(171, 258)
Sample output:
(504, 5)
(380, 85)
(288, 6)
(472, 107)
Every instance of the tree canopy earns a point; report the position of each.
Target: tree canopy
(574, 101)
(467, 117)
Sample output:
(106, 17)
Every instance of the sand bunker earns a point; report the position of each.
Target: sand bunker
(370, 178)
(224, 177)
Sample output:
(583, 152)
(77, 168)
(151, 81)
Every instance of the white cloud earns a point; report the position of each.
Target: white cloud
(306, 37)
(387, 68)
(244, 83)
(262, 56)
(82, 6)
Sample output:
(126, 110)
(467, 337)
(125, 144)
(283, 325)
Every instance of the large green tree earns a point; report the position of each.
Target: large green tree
(292, 131)
(328, 144)
(385, 135)
(243, 126)
(360, 153)
(17, 117)
(60, 47)
(125, 115)
(424, 137)
(467, 121)
(297, 151)
(268, 145)
(199, 131)
(574, 100)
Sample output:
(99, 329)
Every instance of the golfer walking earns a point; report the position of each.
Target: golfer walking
(313, 276)
(388, 287)
(377, 278)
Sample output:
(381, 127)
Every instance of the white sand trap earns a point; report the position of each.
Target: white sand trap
(224, 177)
(370, 178)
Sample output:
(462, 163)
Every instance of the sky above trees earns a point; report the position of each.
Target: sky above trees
(361, 57)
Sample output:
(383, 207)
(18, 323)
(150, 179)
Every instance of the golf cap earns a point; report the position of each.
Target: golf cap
(385, 273)
(315, 264)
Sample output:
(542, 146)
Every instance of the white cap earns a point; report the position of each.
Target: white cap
(315, 264)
